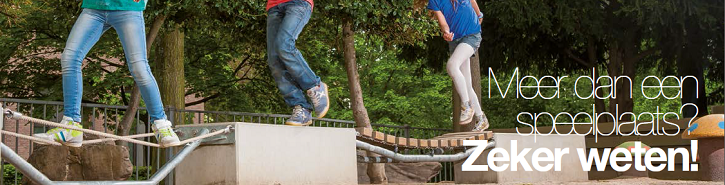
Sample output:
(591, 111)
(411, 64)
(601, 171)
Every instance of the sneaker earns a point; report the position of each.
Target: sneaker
(64, 136)
(164, 133)
(300, 117)
(481, 123)
(320, 99)
(466, 114)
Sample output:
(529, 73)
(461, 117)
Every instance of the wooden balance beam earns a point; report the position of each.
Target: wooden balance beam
(450, 140)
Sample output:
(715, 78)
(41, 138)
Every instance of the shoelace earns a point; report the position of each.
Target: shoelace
(299, 112)
(317, 95)
(479, 125)
(165, 132)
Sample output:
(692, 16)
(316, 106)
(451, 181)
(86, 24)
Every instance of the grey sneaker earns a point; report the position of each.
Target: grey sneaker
(164, 133)
(481, 123)
(300, 117)
(466, 113)
(64, 136)
(320, 99)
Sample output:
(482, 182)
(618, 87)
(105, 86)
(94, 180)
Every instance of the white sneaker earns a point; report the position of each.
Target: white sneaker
(164, 133)
(64, 136)
(466, 113)
(481, 123)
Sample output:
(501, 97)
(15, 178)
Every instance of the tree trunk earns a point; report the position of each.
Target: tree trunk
(169, 70)
(599, 106)
(690, 64)
(124, 127)
(620, 65)
(624, 54)
(375, 171)
(360, 114)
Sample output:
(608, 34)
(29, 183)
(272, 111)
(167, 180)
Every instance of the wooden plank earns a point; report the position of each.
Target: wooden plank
(433, 143)
(367, 132)
(402, 141)
(464, 133)
(412, 142)
(378, 136)
(423, 143)
(390, 139)
(468, 137)
(457, 143)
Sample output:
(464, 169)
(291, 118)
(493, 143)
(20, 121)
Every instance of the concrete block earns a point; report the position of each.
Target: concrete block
(570, 164)
(274, 154)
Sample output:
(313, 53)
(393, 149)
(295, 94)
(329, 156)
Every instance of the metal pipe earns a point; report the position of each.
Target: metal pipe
(23, 166)
(366, 159)
(179, 157)
(418, 158)
(2, 116)
(36, 176)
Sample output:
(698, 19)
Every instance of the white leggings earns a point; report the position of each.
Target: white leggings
(459, 68)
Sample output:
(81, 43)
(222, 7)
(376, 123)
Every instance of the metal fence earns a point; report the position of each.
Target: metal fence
(106, 118)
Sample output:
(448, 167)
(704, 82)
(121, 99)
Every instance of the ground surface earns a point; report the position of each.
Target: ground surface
(628, 181)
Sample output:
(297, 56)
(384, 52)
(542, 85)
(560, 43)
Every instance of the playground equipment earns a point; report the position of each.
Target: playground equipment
(709, 131)
(300, 153)
(38, 177)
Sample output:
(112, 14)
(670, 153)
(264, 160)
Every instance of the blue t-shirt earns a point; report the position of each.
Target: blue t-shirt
(462, 21)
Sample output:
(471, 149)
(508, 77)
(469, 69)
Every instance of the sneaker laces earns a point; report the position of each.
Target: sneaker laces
(166, 132)
(482, 120)
(316, 95)
(298, 111)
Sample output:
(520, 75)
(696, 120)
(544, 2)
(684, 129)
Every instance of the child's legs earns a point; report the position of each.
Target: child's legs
(296, 15)
(461, 54)
(292, 93)
(86, 31)
(131, 31)
(466, 70)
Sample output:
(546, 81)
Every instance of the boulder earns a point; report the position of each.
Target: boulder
(94, 162)
(402, 172)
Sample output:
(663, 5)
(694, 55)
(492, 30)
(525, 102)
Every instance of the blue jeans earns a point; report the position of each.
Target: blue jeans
(89, 27)
(289, 69)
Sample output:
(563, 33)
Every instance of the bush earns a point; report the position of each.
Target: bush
(143, 173)
(9, 176)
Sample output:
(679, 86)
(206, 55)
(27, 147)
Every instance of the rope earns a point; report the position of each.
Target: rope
(37, 140)
(226, 130)
(112, 139)
(19, 116)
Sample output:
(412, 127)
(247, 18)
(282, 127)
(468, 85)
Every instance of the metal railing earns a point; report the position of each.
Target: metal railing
(105, 118)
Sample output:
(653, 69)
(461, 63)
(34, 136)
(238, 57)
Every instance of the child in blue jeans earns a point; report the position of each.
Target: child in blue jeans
(294, 78)
(126, 17)
(460, 23)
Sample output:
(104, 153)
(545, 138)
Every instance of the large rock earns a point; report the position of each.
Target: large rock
(88, 163)
(402, 172)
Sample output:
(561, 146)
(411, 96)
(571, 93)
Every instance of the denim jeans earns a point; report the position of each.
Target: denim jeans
(289, 69)
(88, 28)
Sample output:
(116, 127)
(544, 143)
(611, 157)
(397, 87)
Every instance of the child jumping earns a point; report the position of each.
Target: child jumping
(126, 17)
(285, 20)
(460, 23)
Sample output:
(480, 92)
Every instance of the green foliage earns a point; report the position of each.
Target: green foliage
(399, 53)
(140, 173)
(9, 175)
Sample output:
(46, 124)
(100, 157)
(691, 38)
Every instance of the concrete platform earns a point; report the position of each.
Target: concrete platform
(274, 154)
(570, 166)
